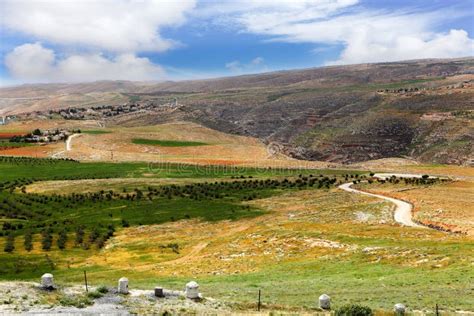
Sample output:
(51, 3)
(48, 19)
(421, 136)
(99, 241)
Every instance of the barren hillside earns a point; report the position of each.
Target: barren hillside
(419, 109)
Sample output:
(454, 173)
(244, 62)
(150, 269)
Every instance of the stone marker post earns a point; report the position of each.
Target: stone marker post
(47, 281)
(399, 309)
(159, 292)
(325, 301)
(192, 290)
(123, 285)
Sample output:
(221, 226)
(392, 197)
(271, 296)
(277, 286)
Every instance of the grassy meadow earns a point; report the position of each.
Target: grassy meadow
(96, 131)
(290, 233)
(166, 143)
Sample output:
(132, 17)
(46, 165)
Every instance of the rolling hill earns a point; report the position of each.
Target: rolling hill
(421, 109)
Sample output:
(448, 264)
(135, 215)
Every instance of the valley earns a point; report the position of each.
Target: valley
(243, 184)
(417, 109)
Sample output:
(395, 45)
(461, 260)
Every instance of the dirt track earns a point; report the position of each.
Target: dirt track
(403, 210)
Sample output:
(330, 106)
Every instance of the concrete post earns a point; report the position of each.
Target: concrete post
(123, 286)
(47, 281)
(399, 309)
(192, 290)
(325, 301)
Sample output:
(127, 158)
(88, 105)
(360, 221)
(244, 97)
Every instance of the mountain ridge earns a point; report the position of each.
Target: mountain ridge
(417, 109)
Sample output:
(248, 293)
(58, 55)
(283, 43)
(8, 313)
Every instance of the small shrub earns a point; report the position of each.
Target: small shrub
(76, 301)
(354, 310)
(94, 295)
(10, 244)
(28, 241)
(102, 289)
(61, 242)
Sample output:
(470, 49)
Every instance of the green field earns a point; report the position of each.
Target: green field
(418, 267)
(167, 143)
(158, 204)
(95, 132)
(137, 205)
(7, 144)
(12, 168)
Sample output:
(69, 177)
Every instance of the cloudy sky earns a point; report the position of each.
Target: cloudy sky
(87, 40)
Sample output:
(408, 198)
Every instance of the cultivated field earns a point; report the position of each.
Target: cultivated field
(178, 142)
(166, 203)
(290, 233)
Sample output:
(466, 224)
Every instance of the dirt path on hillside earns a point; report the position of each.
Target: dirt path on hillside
(201, 245)
(403, 210)
(68, 146)
(69, 141)
(194, 251)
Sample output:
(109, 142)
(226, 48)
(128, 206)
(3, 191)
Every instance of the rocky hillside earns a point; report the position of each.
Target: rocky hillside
(419, 109)
(344, 114)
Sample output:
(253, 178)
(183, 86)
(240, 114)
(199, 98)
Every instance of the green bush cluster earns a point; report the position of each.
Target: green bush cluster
(424, 180)
(34, 161)
(48, 215)
(79, 301)
(354, 310)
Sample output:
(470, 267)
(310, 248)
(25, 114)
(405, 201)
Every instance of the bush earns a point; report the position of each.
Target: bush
(47, 240)
(62, 240)
(79, 235)
(102, 289)
(76, 301)
(94, 295)
(10, 244)
(354, 310)
(28, 241)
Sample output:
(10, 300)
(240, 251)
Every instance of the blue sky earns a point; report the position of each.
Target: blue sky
(73, 41)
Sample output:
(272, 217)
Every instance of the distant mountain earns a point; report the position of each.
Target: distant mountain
(422, 109)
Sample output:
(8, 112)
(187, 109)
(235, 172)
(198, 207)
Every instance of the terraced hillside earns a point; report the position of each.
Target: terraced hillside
(418, 109)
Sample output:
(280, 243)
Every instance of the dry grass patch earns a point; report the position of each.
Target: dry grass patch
(447, 205)
(291, 232)
(402, 165)
(96, 185)
(222, 148)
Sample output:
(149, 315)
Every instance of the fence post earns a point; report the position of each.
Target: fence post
(85, 280)
(259, 301)
(437, 310)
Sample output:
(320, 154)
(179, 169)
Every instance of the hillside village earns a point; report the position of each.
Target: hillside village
(102, 111)
(44, 136)
(465, 84)
(4, 120)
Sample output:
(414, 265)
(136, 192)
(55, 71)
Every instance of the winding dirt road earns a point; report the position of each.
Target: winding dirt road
(68, 146)
(403, 209)
(69, 141)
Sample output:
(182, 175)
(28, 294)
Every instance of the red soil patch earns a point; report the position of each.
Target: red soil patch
(8, 148)
(9, 135)
(30, 151)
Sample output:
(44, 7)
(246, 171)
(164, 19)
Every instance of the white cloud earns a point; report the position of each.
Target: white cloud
(96, 40)
(112, 25)
(35, 63)
(313, 8)
(455, 43)
(234, 66)
(30, 61)
(255, 65)
(366, 35)
(257, 61)
(84, 32)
